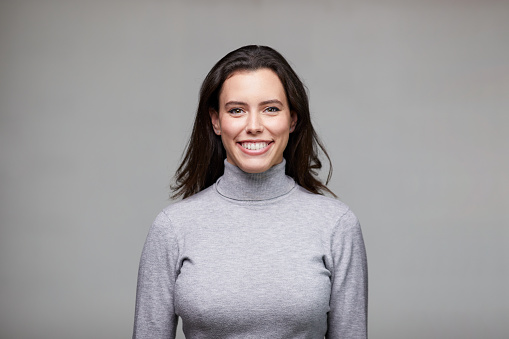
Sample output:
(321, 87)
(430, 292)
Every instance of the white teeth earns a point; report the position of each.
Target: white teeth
(254, 145)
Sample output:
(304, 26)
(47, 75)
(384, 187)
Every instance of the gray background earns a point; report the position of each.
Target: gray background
(410, 97)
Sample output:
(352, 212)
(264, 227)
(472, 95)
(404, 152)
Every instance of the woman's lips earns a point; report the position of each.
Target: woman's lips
(255, 147)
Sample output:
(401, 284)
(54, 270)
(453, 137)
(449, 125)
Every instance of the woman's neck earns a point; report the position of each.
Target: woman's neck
(239, 185)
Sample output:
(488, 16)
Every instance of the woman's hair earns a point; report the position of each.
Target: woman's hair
(203, 161)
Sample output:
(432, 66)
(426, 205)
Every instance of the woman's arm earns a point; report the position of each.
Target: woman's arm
(349, 292)
(154, 312)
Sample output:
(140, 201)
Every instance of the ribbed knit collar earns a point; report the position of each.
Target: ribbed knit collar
(239, 185)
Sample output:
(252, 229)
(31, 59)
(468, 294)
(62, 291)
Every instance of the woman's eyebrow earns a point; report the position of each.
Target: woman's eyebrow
(272, 101)
(263, 103)
(236, 103)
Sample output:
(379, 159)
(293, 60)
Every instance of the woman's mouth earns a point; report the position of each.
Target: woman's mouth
(254, 146)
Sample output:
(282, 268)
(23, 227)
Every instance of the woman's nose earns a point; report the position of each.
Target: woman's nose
(254, 123)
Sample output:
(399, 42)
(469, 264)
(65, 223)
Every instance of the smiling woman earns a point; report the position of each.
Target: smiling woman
(203, 161)
(254, 250)
(254, 120)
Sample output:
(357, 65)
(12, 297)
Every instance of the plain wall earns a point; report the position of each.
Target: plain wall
(97, 100)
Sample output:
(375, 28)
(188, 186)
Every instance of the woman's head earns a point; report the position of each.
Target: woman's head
(203, 160)
(253, 119)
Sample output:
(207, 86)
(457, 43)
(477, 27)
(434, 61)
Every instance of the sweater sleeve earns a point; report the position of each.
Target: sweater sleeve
(347, 318)
(154, 312)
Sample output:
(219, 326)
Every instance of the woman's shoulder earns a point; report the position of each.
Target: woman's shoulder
(330, 219)
(331, 211)
(169, 221)
(322, 202)
(190, 205)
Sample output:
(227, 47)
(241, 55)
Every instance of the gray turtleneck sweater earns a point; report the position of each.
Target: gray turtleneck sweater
(253, 256)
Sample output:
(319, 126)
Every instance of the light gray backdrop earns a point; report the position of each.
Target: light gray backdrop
(410, 97)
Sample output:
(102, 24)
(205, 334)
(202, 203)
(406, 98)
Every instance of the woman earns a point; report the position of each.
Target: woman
(254, 250)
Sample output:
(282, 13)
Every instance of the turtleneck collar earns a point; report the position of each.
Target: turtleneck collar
(239, 185)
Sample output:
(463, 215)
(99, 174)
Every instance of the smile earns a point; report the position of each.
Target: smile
(254, 146)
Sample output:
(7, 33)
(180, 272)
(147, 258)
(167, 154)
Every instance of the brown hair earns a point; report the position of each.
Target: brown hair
(203, 161)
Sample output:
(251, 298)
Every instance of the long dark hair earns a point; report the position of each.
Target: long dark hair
(203, 161)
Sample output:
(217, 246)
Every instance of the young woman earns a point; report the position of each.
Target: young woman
(254, 250)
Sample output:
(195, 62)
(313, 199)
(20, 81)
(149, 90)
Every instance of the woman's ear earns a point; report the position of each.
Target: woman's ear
(293, 121)
(214, 118)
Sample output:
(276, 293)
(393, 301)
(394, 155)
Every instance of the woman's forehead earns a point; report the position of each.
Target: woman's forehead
(262, 84)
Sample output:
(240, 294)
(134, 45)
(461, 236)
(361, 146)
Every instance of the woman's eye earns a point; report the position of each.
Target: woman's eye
(235, 111)
(272, 109)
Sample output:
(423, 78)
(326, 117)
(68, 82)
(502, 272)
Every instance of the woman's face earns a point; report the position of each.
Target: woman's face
(254, 120)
